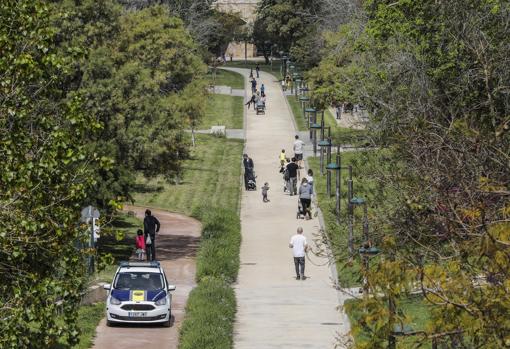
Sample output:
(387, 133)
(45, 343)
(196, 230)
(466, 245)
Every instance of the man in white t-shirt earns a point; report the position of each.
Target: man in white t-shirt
(299, 247)
(298, 151)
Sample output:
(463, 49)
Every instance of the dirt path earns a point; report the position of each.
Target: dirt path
(176, 244)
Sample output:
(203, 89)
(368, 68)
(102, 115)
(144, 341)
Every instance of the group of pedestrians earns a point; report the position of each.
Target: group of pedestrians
(145, 241)
(290, 168)
(258, 96)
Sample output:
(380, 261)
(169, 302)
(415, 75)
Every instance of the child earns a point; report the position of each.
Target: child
(265, 188)
(282, 158)
(140, 245)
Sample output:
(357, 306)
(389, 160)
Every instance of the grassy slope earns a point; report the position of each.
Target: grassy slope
(223, 110)
(211, 177)
(297, 111)
(226, 78)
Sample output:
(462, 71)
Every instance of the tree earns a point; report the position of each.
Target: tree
(132, 78)
(44, 177)
(289, 24)
(435, 76)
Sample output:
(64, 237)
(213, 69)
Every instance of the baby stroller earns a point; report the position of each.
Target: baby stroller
(301, 214)
(260, 107)
(252, 183)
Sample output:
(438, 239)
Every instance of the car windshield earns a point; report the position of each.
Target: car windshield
(139, 281)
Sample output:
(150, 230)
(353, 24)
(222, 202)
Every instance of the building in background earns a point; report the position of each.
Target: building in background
(248, 11)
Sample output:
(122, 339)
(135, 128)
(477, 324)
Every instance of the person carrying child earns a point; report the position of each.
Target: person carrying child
(265, 189)
(140, 245)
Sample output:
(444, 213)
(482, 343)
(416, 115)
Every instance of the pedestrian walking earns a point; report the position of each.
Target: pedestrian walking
(265, 189)
(248, 170)
(140, 245)
(299, 247)
(257, 68)
(263, 90)
(305, 196)
(253, 85)
(251, 73)
(252, 100)
(298, 150)
(151, 226)
(338, 111)
(309, 178)
(293, 173)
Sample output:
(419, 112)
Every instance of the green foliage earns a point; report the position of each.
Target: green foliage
(44, 178)
(289, 24)
(221, 240)
(141, 77)
(433, 75)
(210, 316)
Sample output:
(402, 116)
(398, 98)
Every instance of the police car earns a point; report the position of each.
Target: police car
(140, 293)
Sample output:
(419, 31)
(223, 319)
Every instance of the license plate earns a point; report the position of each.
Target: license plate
(137, 314)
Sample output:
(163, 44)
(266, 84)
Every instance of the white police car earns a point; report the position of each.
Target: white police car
(140, 293)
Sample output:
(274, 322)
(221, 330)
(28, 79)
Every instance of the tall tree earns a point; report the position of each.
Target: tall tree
(435, 76)
(44, 179)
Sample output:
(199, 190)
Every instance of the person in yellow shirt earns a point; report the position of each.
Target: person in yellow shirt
(282, 158)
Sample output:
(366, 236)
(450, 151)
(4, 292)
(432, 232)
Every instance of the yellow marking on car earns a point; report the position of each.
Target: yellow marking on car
(138, 296)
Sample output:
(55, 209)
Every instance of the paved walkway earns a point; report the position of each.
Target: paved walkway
(274, 309)
(176, 243)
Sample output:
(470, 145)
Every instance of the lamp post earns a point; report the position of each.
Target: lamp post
(304, 101)
(313, 130)
(312, 117)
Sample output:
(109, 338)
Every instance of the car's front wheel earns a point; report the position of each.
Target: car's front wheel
(168, 323)
(109, 323)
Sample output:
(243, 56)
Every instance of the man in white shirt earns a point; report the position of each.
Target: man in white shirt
(299, 247)
(298, 151)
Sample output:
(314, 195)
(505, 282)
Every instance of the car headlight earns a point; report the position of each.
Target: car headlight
(162, 301)
(114, 301)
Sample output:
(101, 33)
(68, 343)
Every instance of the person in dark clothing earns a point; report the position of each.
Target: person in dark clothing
(151, 226)
(252, 101)
(253, 86)
(257, 68)
(293, 171)
(248, 169)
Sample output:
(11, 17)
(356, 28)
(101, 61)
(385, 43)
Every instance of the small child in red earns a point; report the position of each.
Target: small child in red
(140, 245)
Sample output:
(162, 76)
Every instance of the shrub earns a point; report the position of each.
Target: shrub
(211, 307)
(210, 315)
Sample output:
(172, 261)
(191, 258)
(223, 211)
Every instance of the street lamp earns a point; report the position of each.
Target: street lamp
(312, 118)
(304, 101)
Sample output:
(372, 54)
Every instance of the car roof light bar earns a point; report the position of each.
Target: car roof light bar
(152, 264)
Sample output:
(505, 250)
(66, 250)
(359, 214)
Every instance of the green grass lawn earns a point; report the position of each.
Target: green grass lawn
(211, 177)
(88, 318)
(226, 78)
(297, 111)
(416, 309)
(223, 110)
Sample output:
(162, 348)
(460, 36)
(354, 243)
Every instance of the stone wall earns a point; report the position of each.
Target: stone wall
(248, 12)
